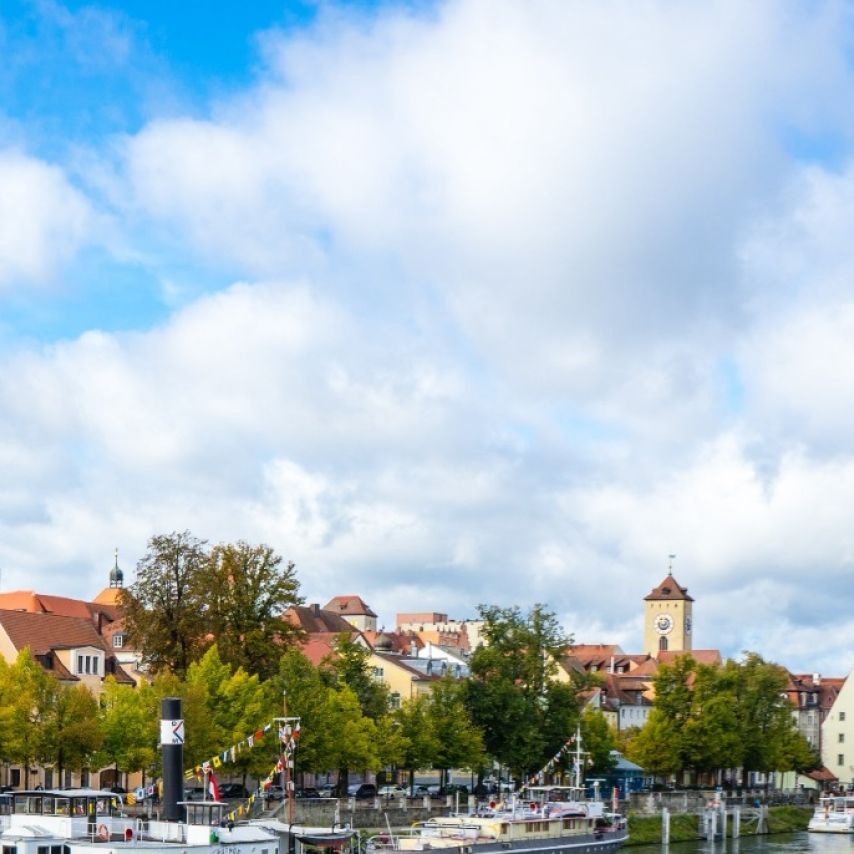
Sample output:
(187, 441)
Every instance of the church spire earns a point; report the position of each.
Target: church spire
(117, 577)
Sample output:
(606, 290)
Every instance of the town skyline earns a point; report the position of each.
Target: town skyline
(447, 302)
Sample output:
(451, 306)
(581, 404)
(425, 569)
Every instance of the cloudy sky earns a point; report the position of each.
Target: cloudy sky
(450, 302)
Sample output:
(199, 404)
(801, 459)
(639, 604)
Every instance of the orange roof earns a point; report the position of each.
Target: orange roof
(40, 603)
(108, 596)
(669, 589)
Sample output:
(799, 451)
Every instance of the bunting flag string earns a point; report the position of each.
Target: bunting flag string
(551, 764)
(288, 737)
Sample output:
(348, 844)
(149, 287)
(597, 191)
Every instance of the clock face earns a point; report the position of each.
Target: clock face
(663, 623)
(687, 625)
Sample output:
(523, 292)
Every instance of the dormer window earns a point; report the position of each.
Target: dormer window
(88, 665)
(118, 640)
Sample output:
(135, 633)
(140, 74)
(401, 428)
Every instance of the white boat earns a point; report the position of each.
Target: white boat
(544, 818)
(833, 814)
(86, 821)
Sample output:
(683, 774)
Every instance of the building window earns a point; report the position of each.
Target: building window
(15, 778)
(842, 716)
(841, 737)
(378, 673)
(118, 640)
(394, 700)
(840, 759)
(662, 644)
(79, 663)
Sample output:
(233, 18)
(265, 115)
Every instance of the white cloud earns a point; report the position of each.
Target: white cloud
(502, 261)
(43, 219)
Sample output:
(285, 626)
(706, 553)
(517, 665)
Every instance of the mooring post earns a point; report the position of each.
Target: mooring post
(714, 821)
(723, 819)
(736, 822)
(665, 826)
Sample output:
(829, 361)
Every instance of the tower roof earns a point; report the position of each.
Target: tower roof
(117, 577)
(669, 589)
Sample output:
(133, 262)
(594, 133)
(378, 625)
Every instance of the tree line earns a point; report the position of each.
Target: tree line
(208, 624)
(713, 720)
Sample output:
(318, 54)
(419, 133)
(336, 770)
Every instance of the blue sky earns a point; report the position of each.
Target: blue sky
(446, 301)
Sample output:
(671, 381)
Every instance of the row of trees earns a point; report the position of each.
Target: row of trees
(708, 719)
(208, 622)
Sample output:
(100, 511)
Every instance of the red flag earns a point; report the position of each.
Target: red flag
(213, 786)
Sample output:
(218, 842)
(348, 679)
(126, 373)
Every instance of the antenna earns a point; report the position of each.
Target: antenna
(670, 559)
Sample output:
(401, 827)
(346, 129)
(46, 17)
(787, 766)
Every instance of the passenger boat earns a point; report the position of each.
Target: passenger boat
(85, 821)
(544, 818)
(91, 821)
(833, 814)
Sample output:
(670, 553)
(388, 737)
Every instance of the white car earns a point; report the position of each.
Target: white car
(392, 792)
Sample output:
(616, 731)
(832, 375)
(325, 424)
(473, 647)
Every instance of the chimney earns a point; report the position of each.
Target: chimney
(413, 648)
(816, 679)
(611, 665)
(315, 608)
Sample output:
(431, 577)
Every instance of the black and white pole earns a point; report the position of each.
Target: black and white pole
(172, 751)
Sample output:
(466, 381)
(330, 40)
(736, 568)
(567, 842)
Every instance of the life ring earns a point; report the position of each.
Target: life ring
(534, 806)
(128, 834)
(103, 833)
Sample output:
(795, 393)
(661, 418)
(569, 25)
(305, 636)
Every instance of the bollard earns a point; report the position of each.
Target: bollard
(665, 826)
(723, 820)
(736, 822)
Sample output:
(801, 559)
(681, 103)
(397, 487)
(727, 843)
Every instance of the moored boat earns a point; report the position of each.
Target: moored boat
(833, 814)
(548, 818)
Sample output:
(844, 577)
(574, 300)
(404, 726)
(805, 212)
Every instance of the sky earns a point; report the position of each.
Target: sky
(449, 302)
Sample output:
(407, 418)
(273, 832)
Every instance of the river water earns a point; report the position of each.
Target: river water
(787, 843)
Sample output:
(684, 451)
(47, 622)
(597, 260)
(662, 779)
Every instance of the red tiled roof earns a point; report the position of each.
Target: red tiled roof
(314, 619)
(822, 775)
(669, 589)
(44, 633)
(352, 605)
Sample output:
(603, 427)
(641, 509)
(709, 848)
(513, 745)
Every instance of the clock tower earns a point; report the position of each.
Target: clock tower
(668, 618)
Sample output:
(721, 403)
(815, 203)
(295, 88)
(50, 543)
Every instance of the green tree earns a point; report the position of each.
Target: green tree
(309, 698)
(247, 589)
(765, 716)
(164, 609)
(598, 741)
(356, 744)
(33, 695)
(129, 726)
(524, 716)
(348, 666)
(421, 742)
(459, 743)
(71, 728)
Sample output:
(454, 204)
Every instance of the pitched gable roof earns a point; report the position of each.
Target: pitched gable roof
(44, 633)
(352, 605)
(314, 619)
(669, 589)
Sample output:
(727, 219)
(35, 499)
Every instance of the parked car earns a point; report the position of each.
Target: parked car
(455, 788)
(274, 793)
(232, 791)
(307, 792)
(194, 793)
(421, 789)
(362, 790)
(392, 792)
